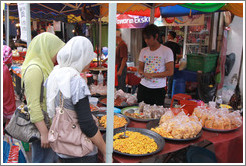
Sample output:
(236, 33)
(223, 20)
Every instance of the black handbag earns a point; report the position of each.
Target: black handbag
(20, 126)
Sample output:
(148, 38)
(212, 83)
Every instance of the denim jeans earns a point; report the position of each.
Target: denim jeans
(42, 155)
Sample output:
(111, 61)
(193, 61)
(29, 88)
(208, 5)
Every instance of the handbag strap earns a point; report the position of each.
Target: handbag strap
(42, 87)
(61, 104)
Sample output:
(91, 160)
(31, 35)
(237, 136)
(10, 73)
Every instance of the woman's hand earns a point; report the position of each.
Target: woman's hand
(44, 140)
(42, 128)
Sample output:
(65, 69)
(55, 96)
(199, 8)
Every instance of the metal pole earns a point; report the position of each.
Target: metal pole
(100, 40)
(152, 15)
(7, 25)
(63, 33)
(111, 80)
(28, 24)
(185, 38)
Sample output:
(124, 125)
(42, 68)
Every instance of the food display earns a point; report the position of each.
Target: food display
(122, 99)
(144, 112)
(136, 143)
(180, 126)
(98, 89)
(93, 107)
(118, 121)
(218, 119)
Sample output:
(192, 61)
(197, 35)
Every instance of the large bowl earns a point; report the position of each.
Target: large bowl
(158, 140)
(105, 104)
(100, 114)
(132, 110)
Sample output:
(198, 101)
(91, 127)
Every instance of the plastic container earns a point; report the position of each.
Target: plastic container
(203, 62)
(188, 105)
(93, 100)
(178, 86)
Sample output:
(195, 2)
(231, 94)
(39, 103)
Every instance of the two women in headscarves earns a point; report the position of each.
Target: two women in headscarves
(39, 62)
(8, 89)
(74, 58)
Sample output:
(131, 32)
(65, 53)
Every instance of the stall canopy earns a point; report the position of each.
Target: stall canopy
(56, 11)
(70, 12)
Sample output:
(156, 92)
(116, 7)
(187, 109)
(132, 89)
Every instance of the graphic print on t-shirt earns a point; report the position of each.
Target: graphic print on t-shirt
(152, 65)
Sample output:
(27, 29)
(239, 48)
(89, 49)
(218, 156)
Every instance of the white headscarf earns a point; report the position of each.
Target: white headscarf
(72, 59)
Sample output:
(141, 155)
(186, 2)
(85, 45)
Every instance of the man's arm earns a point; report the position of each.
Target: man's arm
(168, 72)
(141, 68)
(122, 65)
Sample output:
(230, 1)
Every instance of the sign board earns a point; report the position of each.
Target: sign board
(131, 21)
(57, 25)
(22, 17)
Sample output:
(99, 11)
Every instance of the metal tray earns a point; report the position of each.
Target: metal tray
(131, 110)
(158, 140)
(218, 130)
(105, 104)
(155, 123)
(100, 114)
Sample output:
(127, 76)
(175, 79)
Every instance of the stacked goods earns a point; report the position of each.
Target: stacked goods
(151, 111)
(122, 99)
(220, 119)
(98, 89)
(180, 126)
(127, 97)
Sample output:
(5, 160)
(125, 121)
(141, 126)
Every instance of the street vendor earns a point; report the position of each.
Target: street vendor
(176, 49)
(155, 64)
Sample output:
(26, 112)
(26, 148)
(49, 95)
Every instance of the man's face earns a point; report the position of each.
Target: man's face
(149, 40)
(169, 36)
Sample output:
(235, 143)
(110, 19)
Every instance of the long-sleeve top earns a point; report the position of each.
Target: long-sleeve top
(33, 79)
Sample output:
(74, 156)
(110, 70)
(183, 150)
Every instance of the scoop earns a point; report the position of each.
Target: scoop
(124, 135)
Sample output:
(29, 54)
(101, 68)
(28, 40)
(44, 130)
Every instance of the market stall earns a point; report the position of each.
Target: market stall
(223, 141)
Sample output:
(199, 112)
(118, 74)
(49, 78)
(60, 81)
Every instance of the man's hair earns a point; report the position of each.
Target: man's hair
(172, 33)
(151, 30)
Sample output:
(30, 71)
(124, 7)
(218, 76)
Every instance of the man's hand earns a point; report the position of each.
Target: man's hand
(119, 73)
(148, 75)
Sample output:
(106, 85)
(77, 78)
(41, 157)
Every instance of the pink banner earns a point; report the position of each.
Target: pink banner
(131, 21)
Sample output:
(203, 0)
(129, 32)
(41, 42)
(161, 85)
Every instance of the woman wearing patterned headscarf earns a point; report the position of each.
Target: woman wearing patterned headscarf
(8, 89)
(72, 59)
(42, 52)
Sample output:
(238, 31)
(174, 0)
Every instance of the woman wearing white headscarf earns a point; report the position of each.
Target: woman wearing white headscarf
(74, 58)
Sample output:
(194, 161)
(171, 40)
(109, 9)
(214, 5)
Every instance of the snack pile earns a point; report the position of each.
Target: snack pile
(136, 143)
(221, 119)
(180, 126)
(118, 121)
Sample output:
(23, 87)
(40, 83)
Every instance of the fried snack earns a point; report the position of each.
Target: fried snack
(168, 115)
(136, 143)
(118, 121)
(178, 131)
(162, 132)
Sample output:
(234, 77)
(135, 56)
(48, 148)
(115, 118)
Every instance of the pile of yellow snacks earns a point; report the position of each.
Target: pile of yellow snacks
(136, 143)
(118, 121)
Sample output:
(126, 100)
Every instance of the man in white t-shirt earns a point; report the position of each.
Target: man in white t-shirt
(155, 64)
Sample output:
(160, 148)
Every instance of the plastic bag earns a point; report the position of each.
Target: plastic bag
(206, 86)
